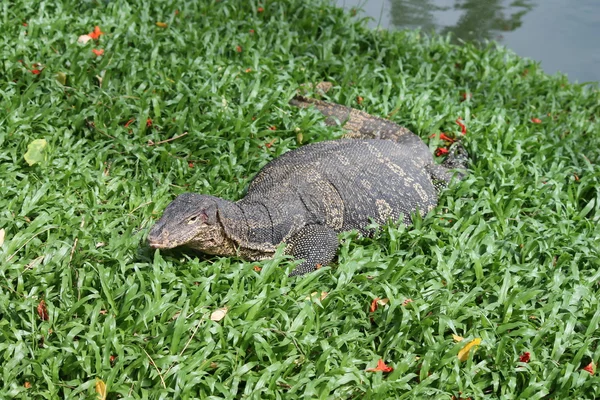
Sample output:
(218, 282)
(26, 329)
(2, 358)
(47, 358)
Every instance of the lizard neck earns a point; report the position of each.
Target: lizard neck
(248, 225)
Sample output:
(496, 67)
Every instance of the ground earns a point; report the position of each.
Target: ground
(193, 97)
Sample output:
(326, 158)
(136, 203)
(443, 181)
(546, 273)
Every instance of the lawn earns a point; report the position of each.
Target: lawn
(193, 96)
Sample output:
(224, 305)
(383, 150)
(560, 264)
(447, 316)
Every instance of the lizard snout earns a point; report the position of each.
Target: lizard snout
(158, 238)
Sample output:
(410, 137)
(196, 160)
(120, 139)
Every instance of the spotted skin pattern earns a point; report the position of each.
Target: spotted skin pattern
(381, 172)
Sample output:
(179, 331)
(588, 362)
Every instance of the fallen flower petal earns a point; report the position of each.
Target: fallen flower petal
(441, 151)
(463, 128)
(407, 301)
(536, 120)
(162, 24)
(36, 71)
(96, 33)
(238, 49)
(463, 354)
(466, 96)
(447, 138)
(257, 268)
(525, 357)
(591, 368)
(373, 306)
(148, 123)
(129, 122)
(260, 9)
(380, 367)
(98, 52)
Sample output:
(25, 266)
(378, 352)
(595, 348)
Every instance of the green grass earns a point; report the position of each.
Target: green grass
(510, 256)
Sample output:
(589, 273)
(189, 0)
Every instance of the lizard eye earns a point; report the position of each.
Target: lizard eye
(203, 217)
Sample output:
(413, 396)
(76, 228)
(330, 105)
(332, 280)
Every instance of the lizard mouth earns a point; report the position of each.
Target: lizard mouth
(160, 243)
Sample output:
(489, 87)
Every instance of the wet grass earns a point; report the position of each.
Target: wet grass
(510, 255)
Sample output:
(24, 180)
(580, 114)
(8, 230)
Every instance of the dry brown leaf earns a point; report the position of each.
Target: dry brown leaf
(83, 39)
(101, 389)
(42, 310)
(383, 302)
(219, 314)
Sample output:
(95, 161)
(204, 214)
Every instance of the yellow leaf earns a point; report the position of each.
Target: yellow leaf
(315, 295)
(101, 389)
(219, 314)
(35, 151)
(2, 233)
(463, 354)
(457, 338)
(61, 77)
(162, 24)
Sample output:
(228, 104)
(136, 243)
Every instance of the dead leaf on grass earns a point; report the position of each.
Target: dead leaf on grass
(101, 389)
(35, 151)
(219, 314)
(463, 354)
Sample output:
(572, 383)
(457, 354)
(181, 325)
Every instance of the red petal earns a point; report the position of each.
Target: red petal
(446, 138)
(536, 120)
(525, 357)
(380, 367)
(440, 151)
(590, 368)
(36, 71)
(463, 128)
(373, 307)
(98, 52)
(148, 123)
(96, 33)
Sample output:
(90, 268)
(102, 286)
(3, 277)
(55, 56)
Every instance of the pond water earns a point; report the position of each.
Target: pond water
(564, 35)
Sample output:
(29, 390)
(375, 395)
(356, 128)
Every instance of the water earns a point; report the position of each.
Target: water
(564, 35)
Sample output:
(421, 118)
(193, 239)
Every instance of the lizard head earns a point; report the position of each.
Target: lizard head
(191, 220)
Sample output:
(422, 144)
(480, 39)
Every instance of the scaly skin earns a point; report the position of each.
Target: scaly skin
(308, 195)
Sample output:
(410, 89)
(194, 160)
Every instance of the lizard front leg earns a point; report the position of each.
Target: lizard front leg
(313, 244)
